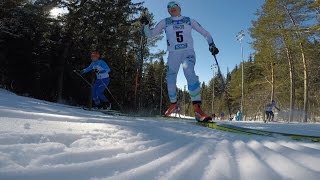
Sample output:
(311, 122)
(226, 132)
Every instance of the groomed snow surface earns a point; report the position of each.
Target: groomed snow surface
(42, 141)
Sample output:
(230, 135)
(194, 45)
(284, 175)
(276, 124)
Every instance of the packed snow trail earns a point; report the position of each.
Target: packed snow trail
(42, 140)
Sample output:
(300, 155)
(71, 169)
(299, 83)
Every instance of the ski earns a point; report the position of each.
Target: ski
(209, 124)
(250, 131)
(273, 134)
(106, 111)
(213, 125)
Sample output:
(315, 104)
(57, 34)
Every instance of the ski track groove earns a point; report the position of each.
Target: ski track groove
(313, 149)
(249, 164)
(80, 156)
(283, 165)
(222, 164)
(156, 166)
(313, 145)
(309, 162)
(61, 153)
(191, 166)
(101, 167)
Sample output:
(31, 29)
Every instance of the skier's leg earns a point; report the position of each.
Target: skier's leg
(105, 104)
(272, 115)
(194, 85)
(265, 119)
(94, 93)
(174, 61)
(269, 115)
(192, 78)
(103, 85)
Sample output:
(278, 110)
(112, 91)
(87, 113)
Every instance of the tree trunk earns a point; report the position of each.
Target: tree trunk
(139, 74)
(292, 84)
(305, 69)
(306, 87)
(68, 43)
(272, 81)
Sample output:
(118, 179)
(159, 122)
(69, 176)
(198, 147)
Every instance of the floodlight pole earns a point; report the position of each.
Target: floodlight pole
(240, 36)
(161, 94)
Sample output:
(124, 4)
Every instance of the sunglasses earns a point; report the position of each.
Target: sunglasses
(172, 5)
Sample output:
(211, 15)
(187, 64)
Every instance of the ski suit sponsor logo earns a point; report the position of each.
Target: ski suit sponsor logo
(181, 46)
(177, 27)
(178, 22)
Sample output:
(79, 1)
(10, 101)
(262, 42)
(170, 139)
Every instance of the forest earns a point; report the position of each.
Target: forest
(38, 53)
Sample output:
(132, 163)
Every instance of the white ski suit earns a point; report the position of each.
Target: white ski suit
(180, 47)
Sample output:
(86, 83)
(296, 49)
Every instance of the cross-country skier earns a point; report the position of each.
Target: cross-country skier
(101, 68)
(180, 46)
(269, 108)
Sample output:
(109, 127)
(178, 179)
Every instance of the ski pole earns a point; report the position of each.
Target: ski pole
(112, 96)
(219, 71)
(223, 84)
(82, 78)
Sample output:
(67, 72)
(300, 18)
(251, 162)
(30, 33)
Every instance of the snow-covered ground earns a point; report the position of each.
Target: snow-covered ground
(41, 140)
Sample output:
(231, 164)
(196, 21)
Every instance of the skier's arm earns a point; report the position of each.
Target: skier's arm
(196, 26)
(158, 29)
(105, 67)
(89, 68)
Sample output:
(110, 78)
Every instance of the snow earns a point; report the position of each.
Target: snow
(42, 140)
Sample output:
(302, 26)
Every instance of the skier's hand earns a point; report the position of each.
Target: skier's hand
(144, 20)
(96, 70)
(76, 71)
(213, 49)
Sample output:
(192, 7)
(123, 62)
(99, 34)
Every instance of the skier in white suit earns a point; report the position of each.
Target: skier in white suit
(180, 46)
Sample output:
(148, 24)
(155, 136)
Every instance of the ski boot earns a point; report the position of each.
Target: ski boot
(106, 106)
(199, 114)
(173, 108)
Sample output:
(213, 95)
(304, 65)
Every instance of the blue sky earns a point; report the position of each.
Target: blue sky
(223, 19)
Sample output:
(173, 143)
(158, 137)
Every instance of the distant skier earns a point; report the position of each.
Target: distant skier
(239, 116)
(222, 116)
(180, 46)
(101, 68)
(213, 115)
(268, 110)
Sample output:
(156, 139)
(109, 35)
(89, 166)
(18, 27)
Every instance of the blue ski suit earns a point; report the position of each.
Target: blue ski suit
(102, 70)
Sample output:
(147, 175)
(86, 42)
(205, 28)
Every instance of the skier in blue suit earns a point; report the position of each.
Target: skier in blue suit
(102, 70)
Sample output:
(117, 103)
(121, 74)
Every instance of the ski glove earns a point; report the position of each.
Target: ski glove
(213, 49)
(144, 20)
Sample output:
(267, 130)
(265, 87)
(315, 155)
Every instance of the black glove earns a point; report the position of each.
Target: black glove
(144, 20)
(213, 49)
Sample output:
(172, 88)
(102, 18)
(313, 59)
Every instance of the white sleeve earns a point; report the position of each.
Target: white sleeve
(196, 26)
(158, 29)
